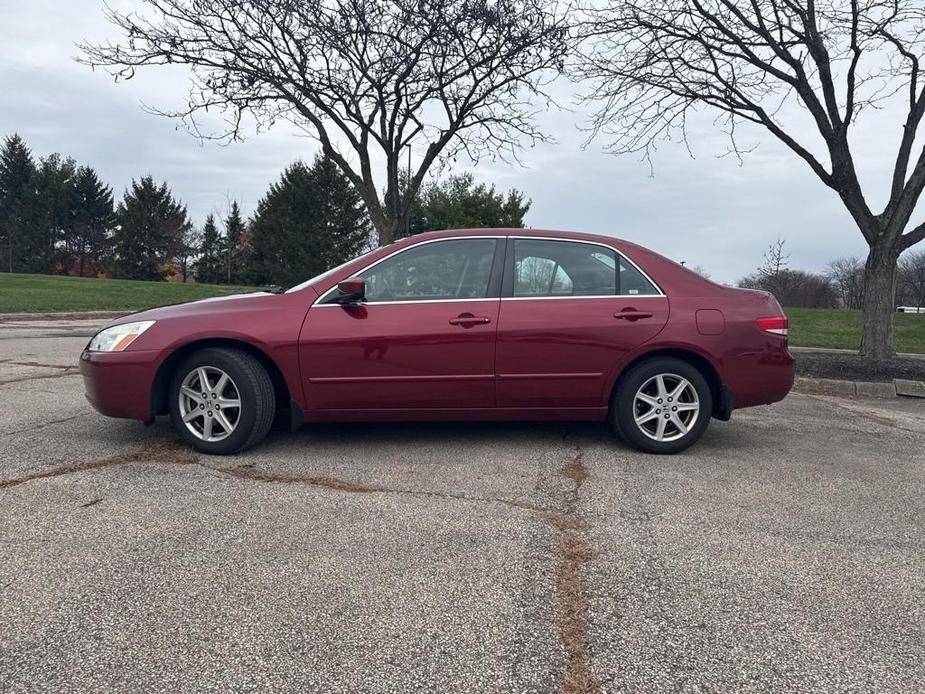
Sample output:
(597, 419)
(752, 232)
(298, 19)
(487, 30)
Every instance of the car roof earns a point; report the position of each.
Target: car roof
(538, 233)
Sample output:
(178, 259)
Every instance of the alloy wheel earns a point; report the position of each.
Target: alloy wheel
(210, 403)
(666, 407)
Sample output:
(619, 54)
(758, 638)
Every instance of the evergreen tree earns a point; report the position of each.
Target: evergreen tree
(151, 225)
(209, 266)
(309, 221)
(461, 203)
(17, 199)
(236, 245)
(52, 214)
(88, 243)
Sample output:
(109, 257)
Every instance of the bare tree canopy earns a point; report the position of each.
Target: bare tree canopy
(651, 63)
(367, 78)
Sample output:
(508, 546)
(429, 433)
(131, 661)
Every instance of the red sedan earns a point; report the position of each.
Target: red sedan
(487, 324)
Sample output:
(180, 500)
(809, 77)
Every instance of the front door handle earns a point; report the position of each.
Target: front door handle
(632, 314)
(466, 321)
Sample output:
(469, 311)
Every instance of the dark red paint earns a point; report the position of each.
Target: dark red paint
(512, 358)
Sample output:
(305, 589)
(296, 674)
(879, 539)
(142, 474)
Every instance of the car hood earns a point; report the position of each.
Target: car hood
(233, 303)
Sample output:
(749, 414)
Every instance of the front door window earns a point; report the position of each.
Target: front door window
(443, 270)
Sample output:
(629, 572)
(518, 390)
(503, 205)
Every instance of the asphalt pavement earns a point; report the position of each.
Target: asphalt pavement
(784, 553)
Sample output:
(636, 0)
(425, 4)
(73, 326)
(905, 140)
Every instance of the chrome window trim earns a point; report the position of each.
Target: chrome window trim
(661, 292)
(411, 301)
(587, 296)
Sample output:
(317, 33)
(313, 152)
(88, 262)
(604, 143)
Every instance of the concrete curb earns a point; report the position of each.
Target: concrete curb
(831, 350)
(898, 387)
(69, 315)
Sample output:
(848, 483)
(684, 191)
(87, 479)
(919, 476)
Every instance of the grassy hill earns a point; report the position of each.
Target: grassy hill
(831, 327)
(20, 293)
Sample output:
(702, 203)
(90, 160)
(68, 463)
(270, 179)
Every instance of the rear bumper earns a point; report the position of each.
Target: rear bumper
(118, 384)
(759, 378)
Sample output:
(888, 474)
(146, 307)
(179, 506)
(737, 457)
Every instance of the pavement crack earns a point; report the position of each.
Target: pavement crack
(13, 362)
(249, 472)
(156, 453)
(46, 424)
(67, 371)
(572, 551)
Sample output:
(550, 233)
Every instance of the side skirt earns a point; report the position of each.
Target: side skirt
(495, 414)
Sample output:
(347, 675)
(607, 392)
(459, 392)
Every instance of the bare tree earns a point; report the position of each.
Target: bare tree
(795, 288)
(776, 261)
(368, 78)
(847, 277)
(912, 279)
(652, 62)
(188, 250)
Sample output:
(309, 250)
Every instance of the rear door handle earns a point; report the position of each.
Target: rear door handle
(470, 320)
(632, 314)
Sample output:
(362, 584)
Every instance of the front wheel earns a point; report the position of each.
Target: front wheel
(662, 405)
(221, 401)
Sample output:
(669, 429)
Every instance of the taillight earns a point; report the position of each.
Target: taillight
(774, 324)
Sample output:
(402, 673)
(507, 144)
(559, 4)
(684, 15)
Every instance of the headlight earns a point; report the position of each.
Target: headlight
(118, 337)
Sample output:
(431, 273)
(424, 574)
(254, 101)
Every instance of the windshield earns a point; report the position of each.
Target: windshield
(330, 272)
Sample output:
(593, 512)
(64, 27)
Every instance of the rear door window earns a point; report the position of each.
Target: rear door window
(547, 268)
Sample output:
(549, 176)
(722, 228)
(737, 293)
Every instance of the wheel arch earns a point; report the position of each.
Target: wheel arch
(165, 371)
(722, 398)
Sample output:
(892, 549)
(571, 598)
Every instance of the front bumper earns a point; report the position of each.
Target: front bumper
(118, 384)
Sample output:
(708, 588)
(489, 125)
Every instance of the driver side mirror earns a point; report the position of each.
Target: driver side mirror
(351, 291)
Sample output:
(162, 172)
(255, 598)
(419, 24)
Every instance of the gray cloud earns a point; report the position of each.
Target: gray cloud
(706, 211)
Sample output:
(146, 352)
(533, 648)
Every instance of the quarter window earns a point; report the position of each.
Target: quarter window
(455, 269)
(566, 268)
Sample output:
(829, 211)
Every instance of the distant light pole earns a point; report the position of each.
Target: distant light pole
(408, 192)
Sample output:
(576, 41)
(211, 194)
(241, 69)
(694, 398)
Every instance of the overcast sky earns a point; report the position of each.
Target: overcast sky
(707, 211)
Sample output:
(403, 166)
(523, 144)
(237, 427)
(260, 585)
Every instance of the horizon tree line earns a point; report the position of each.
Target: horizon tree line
(58, 217)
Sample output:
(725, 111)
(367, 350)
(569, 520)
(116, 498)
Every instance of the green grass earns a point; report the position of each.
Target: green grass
(831, 327)
(56, 294)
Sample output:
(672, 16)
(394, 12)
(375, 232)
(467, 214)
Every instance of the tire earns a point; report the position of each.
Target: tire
(640, 385)
(249, 421)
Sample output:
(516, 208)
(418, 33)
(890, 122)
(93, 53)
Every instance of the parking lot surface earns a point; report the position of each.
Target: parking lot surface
(785, 552)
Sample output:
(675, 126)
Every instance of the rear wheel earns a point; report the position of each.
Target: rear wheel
(221, 401)
(662, 405)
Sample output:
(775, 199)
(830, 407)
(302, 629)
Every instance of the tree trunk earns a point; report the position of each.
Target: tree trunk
(389, 228)
(879, 302)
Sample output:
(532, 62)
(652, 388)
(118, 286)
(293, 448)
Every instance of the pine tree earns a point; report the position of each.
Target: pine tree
(309, 221)
(88, 242)
(151, 225)
(460, 203)
(209, 267)
(236, 245)
(51, 214)
(17, 199)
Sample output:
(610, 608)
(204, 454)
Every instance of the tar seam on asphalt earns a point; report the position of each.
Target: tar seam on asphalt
(70, 371)
(46, 424)
(13, 362)
(571, 552)
(159, 453)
